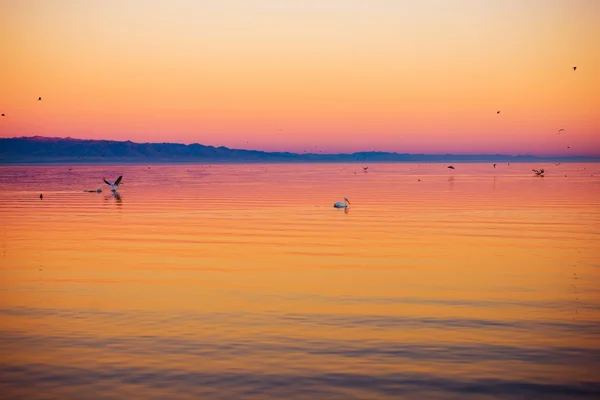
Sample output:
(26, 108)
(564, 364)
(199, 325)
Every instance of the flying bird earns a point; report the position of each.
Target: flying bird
(498, 112)
(3, 115)
(39, 98)
(41, 196)
(365, 169)
(494, 165)
(450, 166)
(339, 204)
(574, 68)
(561, 130)
(539, 172)
(113, 186)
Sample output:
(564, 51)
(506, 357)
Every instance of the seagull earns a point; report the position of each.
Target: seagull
(498, 112)
(339, 204)
(450, 166)
(574, 68)
(113, 186)
(3, 115)
(539, 172)
(561, 130)
(39, 98)
(365, 169)
(41, 196)
(494, 165)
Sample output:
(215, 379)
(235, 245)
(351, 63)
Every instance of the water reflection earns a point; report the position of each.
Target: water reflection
(116, 196)
(211, 286)
(451, 183)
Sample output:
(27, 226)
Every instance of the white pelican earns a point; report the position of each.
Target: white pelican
(113, 186)
(345, 204)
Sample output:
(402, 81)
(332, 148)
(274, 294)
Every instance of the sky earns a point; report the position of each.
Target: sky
(313, 75)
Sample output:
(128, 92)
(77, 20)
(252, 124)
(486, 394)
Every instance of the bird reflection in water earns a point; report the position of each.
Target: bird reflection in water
(451, 183)
(116, 196)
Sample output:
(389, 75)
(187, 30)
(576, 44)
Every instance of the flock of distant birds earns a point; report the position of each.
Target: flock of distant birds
(114, 186)
(345, 204)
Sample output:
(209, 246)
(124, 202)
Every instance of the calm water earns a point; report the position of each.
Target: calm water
(242, 281)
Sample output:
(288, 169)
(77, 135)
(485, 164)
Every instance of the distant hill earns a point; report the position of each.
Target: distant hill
(38, 149)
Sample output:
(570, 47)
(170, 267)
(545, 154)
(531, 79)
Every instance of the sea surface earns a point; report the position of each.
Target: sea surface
(243, 282)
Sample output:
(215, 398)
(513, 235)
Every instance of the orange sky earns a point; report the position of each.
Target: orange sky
(340, 75)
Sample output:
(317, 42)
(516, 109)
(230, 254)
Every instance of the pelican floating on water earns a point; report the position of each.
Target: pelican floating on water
(114, 186)
(345, 204)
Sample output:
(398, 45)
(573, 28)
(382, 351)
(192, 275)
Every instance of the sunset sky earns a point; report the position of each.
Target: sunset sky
(318, 75)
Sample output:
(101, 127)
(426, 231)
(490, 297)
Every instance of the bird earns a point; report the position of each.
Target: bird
(498, 112)
(494, 165)
(113, 186)
(574, 68)
(99, 190)
(365, 169)
(450, 166)
(3, 115)
(561, 130)
(39, 98)
(339, 204)
(41, 196)
(539, 172)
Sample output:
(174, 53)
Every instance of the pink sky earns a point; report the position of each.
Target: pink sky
(333, 76)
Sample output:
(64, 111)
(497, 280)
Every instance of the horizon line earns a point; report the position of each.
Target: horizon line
(304, 154)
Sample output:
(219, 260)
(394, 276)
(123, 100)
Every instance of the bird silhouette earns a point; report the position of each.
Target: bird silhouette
(41, 196)
(39, 98)
(450, 166)
(494, 165)
(497, 112)
(561, 130)
(574, 68)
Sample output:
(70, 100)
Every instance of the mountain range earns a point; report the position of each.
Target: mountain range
(39, 149)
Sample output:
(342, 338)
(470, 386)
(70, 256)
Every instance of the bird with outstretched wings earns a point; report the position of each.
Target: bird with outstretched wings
(113, 186)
